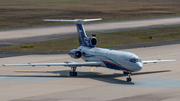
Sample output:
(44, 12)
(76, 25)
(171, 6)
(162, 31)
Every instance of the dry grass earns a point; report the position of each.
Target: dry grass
(104, 40)
(25, 13)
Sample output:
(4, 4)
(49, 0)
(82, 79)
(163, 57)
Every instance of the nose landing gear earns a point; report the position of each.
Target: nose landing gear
(128, 79)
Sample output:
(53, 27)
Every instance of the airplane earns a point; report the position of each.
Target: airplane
(98, 57)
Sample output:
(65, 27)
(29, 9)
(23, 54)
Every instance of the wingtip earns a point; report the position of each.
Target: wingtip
(42, 19)
(3, 65)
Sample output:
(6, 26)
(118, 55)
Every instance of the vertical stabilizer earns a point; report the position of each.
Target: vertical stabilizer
(83, 39)
(81, 34)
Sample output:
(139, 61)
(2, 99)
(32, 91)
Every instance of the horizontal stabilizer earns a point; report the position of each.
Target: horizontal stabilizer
(80, 21)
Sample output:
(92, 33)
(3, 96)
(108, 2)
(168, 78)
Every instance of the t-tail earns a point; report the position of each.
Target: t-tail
(83, 39)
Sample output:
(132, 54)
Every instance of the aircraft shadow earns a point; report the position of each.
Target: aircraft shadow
(109, 78)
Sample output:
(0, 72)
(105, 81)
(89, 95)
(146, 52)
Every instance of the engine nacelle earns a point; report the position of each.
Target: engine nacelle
(74, 53)
(91, 41)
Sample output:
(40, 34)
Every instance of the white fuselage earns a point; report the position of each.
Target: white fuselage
(118, 60)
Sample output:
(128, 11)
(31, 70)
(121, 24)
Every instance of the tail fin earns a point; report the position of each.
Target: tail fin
(80, 29)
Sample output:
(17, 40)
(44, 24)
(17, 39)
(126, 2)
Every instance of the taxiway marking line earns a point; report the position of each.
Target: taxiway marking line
(120, 79)
(92, 70)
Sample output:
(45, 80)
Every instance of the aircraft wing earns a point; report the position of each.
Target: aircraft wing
(155, 61)
(70, 64)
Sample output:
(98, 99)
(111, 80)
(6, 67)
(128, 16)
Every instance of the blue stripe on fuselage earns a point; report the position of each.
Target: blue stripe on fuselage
(113, 65)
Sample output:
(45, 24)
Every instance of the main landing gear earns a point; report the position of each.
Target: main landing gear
(73, 73)
(128, 79)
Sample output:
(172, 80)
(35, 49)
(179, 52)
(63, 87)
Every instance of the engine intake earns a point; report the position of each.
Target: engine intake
(91, 41)
(74, 53)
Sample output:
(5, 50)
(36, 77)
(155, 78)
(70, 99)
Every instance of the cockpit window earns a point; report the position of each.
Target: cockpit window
(134, 60)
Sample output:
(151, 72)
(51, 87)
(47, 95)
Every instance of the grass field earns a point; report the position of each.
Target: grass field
(26, 13)
(104, 40)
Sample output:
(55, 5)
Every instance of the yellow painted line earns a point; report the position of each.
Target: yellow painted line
(92, 70)
(120, 79)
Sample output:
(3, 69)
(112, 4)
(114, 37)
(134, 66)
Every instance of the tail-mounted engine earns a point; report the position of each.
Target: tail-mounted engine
(74, 53)
(91, 41)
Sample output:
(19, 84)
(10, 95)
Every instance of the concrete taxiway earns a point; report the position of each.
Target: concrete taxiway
(36, 34)
(156, 82)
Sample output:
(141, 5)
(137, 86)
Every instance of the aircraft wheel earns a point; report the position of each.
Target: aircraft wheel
(128, 79)
(73, 73)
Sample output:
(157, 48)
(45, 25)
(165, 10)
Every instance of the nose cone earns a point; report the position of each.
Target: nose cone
(138, 66)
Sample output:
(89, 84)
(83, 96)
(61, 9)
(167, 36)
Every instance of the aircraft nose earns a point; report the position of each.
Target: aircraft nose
(138, 66)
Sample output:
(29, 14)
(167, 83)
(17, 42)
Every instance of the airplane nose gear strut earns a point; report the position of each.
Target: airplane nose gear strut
(73, 73)
(129, 78)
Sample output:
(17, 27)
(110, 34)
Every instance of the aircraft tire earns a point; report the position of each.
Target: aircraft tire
(73, 73)
(128, 79)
